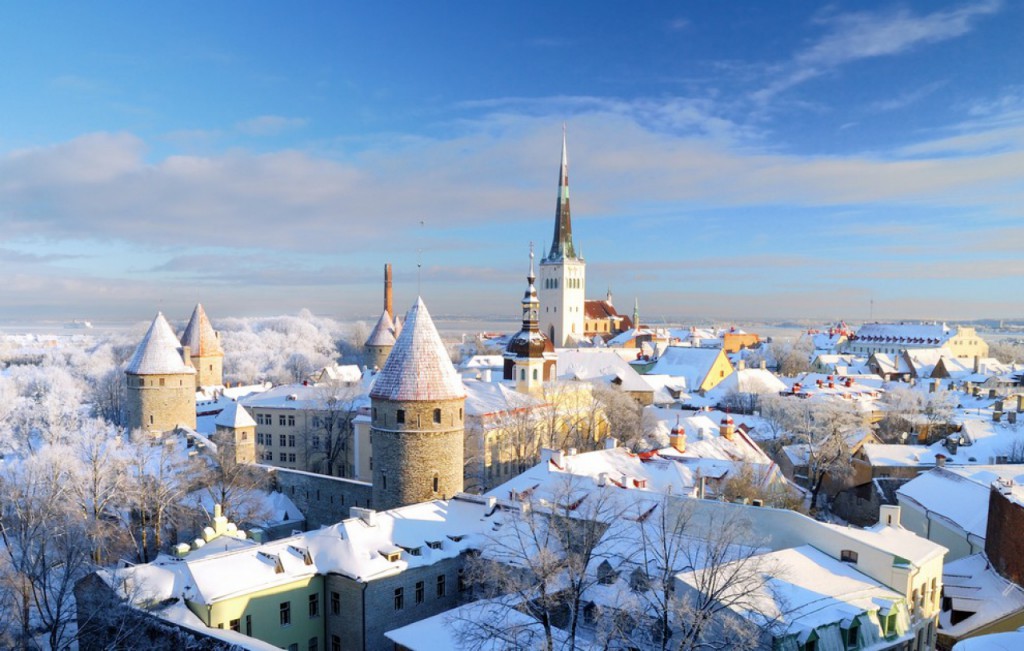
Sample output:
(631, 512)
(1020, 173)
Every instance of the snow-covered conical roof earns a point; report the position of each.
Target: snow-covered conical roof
(234, 416)
(199, 335)
(159, 352)
(383, 333)
(418, 367)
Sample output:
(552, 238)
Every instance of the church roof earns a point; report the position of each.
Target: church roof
(199, 335)
(159, 352)
(418, 367)
(383, 334)
(234, 416)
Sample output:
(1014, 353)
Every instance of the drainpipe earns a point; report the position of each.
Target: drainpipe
(364, 615)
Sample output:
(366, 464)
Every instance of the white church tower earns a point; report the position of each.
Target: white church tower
(563, 274)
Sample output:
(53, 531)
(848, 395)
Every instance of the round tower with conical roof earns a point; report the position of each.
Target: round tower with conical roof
(383, 336)
(203, 343)
(418, 418)
(161, 382)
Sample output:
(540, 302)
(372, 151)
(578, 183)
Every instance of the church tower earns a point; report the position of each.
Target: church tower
(161, 382)
(418, 414)
(562, 272)
(203, 343)
(382, 338)
(530, 356)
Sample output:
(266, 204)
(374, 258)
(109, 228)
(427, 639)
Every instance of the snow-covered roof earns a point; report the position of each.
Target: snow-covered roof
(519, 631)
(600, 364)
(489, 398)
(199, 335)
(808, 589)
(749, 380)
(383, 334)
(234, 416)
(894, 455)
(418, 367)
(159, 352)
(693, 364)
(975, 587)
(307, 396)
(959, 495)
(477, 362)
(921, 334)
(1010, 641)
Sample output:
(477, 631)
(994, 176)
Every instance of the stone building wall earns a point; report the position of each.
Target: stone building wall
(413, 457)
(376, 356)
(209, 370)
(324, 500)
(158, 403)
(369, 608)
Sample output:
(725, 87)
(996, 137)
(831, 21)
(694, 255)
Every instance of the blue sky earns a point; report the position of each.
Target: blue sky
(728, 160)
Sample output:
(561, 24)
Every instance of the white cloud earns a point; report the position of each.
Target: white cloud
(862, 35)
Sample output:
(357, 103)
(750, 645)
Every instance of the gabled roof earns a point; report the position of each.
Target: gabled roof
(691, 363)
(234, 416)
(383, 333)
(200, 337)
(418, 367)
(159, 352)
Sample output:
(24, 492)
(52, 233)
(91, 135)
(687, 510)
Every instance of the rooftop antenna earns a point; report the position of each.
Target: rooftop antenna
(871, 309)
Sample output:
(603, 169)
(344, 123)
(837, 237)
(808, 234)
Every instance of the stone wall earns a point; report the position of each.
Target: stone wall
(1004, 545)
(324, 500)
(209, 370)
(158, 403)
(369, 608)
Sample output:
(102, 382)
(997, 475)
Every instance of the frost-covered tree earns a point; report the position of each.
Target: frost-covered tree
(538, 563)
(45, 547)
(278, 349)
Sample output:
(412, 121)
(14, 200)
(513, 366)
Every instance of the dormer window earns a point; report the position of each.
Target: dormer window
(848, 556)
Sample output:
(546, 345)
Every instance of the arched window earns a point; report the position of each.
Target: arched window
(534, 374)
(437, 416)
(522, 374)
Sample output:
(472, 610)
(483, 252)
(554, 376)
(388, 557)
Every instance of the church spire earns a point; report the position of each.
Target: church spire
(636, 313)
(561, 244)
(531, 305)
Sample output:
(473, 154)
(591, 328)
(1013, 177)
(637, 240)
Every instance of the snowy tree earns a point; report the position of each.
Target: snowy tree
(279, 349)
(538, 563)
(161, 476)
(100, 490)
(792, 357)
(627, 419)
(45, 546)
(329, 439)
(238, 487)
(902, 406)
(824, 428)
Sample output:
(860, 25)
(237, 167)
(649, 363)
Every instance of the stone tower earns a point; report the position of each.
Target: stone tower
(530, 356)
(161, 382)
(563, 273)
(237, 430)
(204, 344)
(417, 423)
(382, 339)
